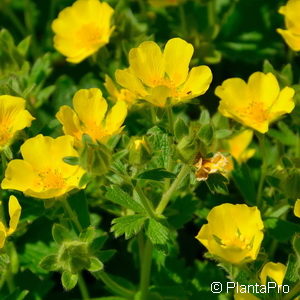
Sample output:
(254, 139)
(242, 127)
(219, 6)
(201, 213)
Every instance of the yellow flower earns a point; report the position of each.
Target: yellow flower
(256, 103)
(275, 271)
(155, 76)
(238, 144)
(89, 116)
(42, 173)
(119, 94)
(82, 29)
(164, 3)
(216, 164)
(233, 233)
(14, 210)
(297, 208)
(13, 117)
(291, 35)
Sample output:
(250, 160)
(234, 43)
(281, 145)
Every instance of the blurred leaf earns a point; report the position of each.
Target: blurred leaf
(69, 280)
(217, 183)
(243, 180)
(281, 230)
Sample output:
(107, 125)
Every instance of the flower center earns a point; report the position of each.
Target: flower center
(5, 135)
(89, 35)
(237, 243)
(255, 112)
(51, 179)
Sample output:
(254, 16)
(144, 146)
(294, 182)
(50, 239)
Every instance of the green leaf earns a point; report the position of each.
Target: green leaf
(158, 234)
(96, 265)
(33, 254)
(17, 295)
(87, 235)
(49, 263)
(217, 183)
(281, 230)
(204, 117)
(23, 46)
(156, 174)
(61, 234)
(71, 160)
(118, 196)
(78, 203)
(181, 211)
(267, 67)
(243, 180)
(128, 225)
(206, 134)
(69, 280)
(291, 275)
(223, 133)
(180, 129)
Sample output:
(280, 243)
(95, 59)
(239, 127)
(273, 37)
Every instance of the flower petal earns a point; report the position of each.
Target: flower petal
(116, 117)
(263, 88)
(14, 214)
(129, 81)
(90, 106)
(284, 104)
(19, 175)
(177, 56)
(69, 119)
(146, 61)
(291, 39)
(198, 82)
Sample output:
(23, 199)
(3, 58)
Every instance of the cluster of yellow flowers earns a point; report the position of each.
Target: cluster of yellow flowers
(163, 78)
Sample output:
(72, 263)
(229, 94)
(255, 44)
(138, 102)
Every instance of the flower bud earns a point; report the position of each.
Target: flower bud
(74, 256)
(95, 158)
(139, 151)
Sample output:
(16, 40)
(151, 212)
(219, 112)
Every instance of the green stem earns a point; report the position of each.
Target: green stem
(10, 280)
(114, 286)
(211, 12)
(83, 288)
(261, 139)
(146, 270)
(170, 119)
(71, 214)
(145, 201)
(174, 186)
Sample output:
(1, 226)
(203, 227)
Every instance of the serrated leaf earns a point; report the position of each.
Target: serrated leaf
(69, 280)
(118, 196)
(128, 225)
(158, 234)
(217, 183)
(96, 265)
(156, 174)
